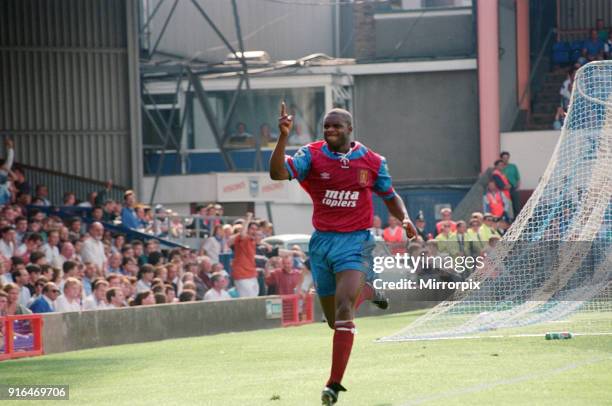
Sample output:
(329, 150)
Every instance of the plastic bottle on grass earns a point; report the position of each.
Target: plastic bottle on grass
(564, 335)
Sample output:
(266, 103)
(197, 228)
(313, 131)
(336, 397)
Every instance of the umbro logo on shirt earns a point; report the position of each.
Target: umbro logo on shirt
(325, 175)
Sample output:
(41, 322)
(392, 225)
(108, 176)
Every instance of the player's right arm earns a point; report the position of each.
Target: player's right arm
(278, 171)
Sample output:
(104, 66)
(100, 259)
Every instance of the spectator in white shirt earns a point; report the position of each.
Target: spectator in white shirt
(115, 298)
(5, 275)
(70, 301)
(50, 248)
(22, 277)
(97, 299)
(66, 254)
(145, 276)
(21, 229)
(70, 270)
(213, 245)
(7, 242)
(218, 291)
(93, 248)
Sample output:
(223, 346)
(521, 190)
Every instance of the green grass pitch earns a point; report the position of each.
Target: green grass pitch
(289, 366)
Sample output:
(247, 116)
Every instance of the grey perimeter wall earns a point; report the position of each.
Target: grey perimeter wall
(425, 124)
(422, 34)
(64, 84)
(98, 328)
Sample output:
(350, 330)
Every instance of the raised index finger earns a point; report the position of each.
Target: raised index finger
(283, 111)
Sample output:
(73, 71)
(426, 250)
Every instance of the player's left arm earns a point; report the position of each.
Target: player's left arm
(384, 188)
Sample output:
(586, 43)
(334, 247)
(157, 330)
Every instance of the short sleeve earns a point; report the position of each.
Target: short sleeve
(298, 165)
(383, 185)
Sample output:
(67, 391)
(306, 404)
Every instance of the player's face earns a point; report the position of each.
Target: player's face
(337, 132)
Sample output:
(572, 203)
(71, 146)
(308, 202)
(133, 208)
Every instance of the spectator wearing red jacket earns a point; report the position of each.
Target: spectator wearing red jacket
(285, 280)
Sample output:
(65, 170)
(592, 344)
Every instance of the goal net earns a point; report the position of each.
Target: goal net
(552, 271)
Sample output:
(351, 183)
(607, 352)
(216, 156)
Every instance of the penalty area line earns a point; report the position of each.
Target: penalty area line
(510, 381)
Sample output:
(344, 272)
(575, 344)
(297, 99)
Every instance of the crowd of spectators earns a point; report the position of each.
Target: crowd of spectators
(50, 263)
(472, 237)
(53, 263)
(597, 47)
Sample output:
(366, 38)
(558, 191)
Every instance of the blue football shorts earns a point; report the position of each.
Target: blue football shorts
(332, 252)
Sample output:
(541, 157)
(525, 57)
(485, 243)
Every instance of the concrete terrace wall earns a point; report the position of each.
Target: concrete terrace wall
(99, 328)
(64, 332)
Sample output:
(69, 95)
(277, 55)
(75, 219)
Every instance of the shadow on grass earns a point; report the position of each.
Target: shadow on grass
(54, 370)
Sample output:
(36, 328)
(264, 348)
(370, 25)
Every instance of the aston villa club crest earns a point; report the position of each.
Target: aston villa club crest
(364, 177)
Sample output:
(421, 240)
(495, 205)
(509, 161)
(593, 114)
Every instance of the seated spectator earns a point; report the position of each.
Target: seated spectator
(67, 253)
(37, 289)
(447, 217)
(145, 277)
(5, 274)
(7, 242)
(34, 272)
(115, 298)
(594, 47)
(218, 290)
(144, 299)
(90, 201)
(32, 244)
(21, 229)
(46, 302)
(267, 138)
(22, 277)
(70, 301)
(97, 299)
(51, 249)
(69, 199)
(69, 270)
(176, 227)
(170, 294)
(89, 273)
(42, 194)
(114, 263)
(13, 307)
(285, 280)
(160, 298)
(187, 296)
(241, 137)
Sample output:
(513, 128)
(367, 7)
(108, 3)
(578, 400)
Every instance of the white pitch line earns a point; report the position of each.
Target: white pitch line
(524, 378)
